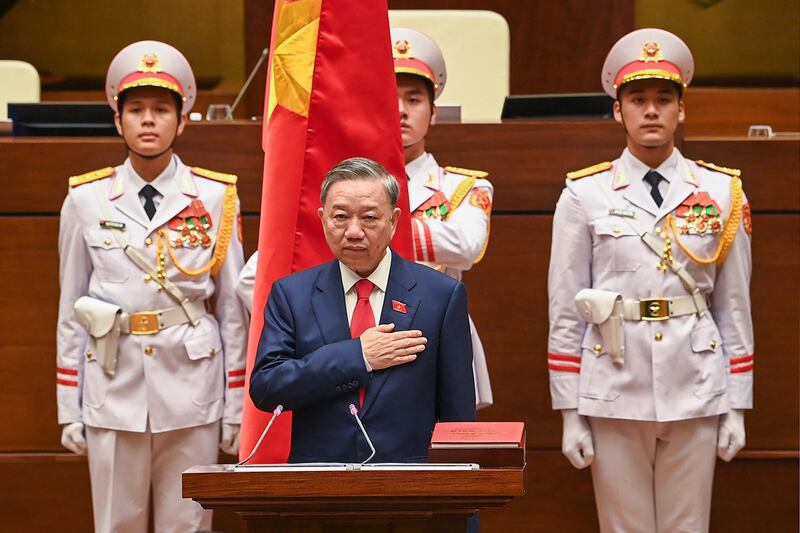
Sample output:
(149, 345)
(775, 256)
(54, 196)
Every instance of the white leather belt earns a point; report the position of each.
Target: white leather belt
(661, 308)
(150, 322)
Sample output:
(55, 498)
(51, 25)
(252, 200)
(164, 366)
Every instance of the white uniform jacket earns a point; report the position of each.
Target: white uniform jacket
(451, 239)
(181, 376)
(684, 367)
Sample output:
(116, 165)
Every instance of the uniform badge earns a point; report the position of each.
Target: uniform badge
(436, 207)
(747, 218)
(400, 307)
(700, 214)
(192, 224)
(480, 199)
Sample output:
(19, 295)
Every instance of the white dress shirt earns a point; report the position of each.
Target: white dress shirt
(379, 278)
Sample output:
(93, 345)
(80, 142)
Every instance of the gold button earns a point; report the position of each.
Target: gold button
(148, 350)
(148, 241)
(147, 277)
(89, 354)
(713, 344)
(107, 242)
(616, 230)
(212, 352)
(598, 348)
(659, 230)
(659, 336)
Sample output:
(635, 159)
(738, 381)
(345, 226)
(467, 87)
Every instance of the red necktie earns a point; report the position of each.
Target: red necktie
(362, 319)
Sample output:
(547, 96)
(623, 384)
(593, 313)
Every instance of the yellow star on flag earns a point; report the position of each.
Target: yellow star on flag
(294, 55)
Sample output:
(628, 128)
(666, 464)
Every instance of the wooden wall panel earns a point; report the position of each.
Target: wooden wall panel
(731, 111)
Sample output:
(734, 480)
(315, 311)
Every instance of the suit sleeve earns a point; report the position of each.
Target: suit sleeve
(458, 241)
(569, 272)
(730, 307)
(455, 394)
(75, 269)
(233, 323)
(283, 376)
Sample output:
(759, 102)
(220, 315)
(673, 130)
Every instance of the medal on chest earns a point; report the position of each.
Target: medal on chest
(699, 214)
(192, 225)
(436, 207)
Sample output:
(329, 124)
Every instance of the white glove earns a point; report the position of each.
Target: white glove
(72, 438)
(731, 434)
(576, 442)
(229, 443)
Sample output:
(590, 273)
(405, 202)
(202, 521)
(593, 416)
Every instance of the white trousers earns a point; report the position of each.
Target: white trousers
(653, 476)
(125, 466)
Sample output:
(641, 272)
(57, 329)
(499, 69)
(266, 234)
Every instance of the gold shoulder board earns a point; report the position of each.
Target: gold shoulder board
(725, 170)
(230, 179)
(94, 175)
(588, 171)
(467, 172)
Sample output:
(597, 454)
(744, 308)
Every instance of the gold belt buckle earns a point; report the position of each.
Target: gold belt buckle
(144, 323)
(654, 309)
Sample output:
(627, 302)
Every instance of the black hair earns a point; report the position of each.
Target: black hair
(175, 96)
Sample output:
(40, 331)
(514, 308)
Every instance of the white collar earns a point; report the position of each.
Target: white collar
(162, 183)
(638, 169)
(379, 276)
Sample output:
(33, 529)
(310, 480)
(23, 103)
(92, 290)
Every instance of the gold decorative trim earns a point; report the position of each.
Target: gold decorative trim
(76, 181)
(728, 234)
(588, 171)
(229, 179)
(725, 170)
(467, 172)
(152, 82)
(650, 74)
(418, 72)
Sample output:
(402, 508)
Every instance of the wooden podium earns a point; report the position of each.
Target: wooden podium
(351, 501)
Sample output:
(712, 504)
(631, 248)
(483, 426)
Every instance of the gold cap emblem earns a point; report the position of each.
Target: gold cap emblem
(402, 49)
(651, 52)
(150, 63)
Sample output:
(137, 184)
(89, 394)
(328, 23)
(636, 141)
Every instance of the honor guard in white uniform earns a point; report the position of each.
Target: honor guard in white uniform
(450, 207)
(151, 336)
(651, 340)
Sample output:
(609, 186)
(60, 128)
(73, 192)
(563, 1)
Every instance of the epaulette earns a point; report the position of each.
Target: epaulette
(467, 172)
(230, 179)
(588, 171)
(725, 170)
(94, 175)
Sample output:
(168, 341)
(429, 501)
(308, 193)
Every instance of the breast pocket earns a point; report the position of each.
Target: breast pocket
(616, 245)
(108, 257)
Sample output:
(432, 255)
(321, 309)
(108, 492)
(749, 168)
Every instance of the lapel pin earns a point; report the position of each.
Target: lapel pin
(400, 307)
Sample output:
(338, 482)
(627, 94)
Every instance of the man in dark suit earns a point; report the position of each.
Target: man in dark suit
(320, 350)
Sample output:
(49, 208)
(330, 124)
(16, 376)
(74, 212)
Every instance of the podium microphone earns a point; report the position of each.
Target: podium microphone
(278, 410)
(354, 412)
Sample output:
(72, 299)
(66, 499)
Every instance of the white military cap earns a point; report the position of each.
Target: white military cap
(416, 53)
(151, 64)
(647, 53)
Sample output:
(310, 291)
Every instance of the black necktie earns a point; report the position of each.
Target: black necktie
(149, 192)
(654, 178)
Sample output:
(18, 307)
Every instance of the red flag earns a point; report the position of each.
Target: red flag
(331, 95)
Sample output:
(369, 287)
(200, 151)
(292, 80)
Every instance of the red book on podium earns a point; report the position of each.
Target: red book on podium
(490, 444)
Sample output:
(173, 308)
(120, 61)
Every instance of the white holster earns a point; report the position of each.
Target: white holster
(102, 321)
(605, 309)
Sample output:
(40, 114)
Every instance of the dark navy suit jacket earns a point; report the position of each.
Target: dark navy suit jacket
(307, 362)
